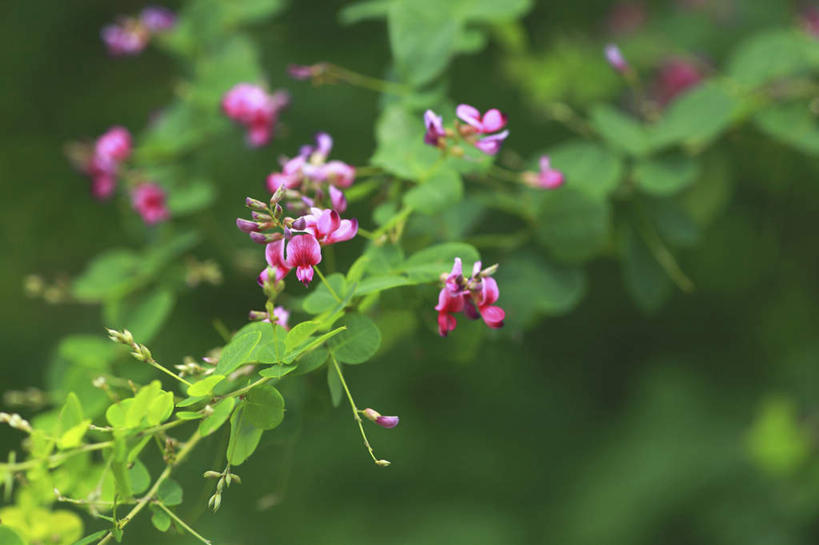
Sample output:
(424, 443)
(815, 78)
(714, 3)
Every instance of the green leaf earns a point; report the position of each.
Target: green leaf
(264, 407)
(160, 519)
(142, 314)
(435, 194)
(299, 334)
(190, 198)
(772, 55)
(697, 117)
(71, 424)
(169, 493)
(645, 279)
(321, 300)
(357, 269)
(400, 149)
(272, 347)
(205, 386)
(428, 264)
(277, 371)
(375, 284)
(422, 39)
(87, 540)
(362, 11)
(572, 224)
(793, 124)
(221, 412)
(239, 12)
(311, 361)
(139, 477)
(188, 415)
(111, 274)
(777, 442)
(588, 167)
(531, 286)
(665, 176)
(244, 437)
(620, 130)
(10, 537)
(334, 384)
(79, 359)
(359, 342)
(238, 351)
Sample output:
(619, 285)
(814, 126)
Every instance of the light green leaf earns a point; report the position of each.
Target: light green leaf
(160, 519)
(277, 371)
(793, 124)
(87, 540)
(311, 361)
(428, 264)
(191, 197)
(299, 334)
(438, 192)
(359, 342)
(375, 284)
(697, 117)
(10, 537)
(772, 55)
(238, 351)
(111, 274)
(205, 386)
(221, 412)
(321, 300)
(620, 130)
(169, 493)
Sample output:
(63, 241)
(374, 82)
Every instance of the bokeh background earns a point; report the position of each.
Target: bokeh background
(692, 424)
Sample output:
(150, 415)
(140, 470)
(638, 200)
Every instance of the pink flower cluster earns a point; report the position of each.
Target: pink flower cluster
(474, 296)
(303, 251)
(256, 109)
(148, 199)
(676, 75)
(479, 130)
(102, 163)
(310, 178)
(130, 35)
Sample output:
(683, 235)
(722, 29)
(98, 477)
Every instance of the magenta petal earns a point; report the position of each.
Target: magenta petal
(476, 268)
(470, 310)
(305, 274)
(469, 114)
(446, 323)
(324, 143)
(303, 251)
(493, 120)
(388, 422)
(493, 316)
(338, 200)
(346, 230)
(489, 292)
(491, 144)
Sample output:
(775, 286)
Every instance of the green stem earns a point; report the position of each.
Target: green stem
(182, 523)
(188, 446)
(662, 254)
(55, 458)
(153, 363)
(327, 284)
(368, 82)
(354, 408)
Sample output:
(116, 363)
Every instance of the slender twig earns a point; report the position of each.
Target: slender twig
(327, 284)
(355, 412)
(181, 522)
(187, 447)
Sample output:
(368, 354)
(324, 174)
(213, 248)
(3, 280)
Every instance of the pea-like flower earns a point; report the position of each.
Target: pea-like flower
(274, 255)
(328, 227)
(302, 253)
(615, 58)
(256, 109)
(490, 122)
(157, 18)
(388, 422)
(547, 178)
(435, 134)
(149, 200)
(125, 38)
(474, 296)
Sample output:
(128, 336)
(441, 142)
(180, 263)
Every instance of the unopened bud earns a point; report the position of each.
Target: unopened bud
(247, 226)
(211, 475)
(261, 216)
(253, 204)
(215, 502)
(208, 410)
(277, 195)
(371, 414)
(382, 463)
(235, 478)
(489, 271)
(99, 382)
(299, 224)
(256, 315)
(615, 58)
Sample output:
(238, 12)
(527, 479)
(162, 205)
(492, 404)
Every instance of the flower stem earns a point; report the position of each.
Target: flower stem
(354, 409)
(367, 82)
(327, 284)
(153, 363)
(182, 523)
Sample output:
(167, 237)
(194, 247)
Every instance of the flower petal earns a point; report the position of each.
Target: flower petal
(493, 120)
(469, 114)
(493, 316)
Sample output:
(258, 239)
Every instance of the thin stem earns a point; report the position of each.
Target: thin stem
(327, 284)
(247, 388)
(662, 254)
(55, 458)
(368, 82)
(354, 409)
(181, 522)
(188, 446)
(153, 363)
(504, 174)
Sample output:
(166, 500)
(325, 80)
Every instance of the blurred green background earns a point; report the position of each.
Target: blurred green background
(694, 424)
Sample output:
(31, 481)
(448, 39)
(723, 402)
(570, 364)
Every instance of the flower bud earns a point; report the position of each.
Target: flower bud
(256, 315)
(371, 414)
(277, 196)
(253, 204)
(299, 224)
(211, 475)
(258, 238)
(382, 463)
(260, 216)
(247, 226)
(489, 271)
(615, 58)
(388, 422)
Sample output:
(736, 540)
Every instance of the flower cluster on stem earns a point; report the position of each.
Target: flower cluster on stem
(474, 296)
(130, 35)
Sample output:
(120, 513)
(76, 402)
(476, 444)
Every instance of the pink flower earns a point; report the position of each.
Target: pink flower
(435, 128)
(290, 177)
(338, 199)
(113, 145)
(615, 58)
(157, 18)
(128, 37)
(303, 252)
(274, 255)
(281, 315)
(676, 75)
(256, 109)
(327, 227)
(475, 296)
(103, 186)
(547, 178)
(300, 71)
(149, 200)
(339, 173)
(493, 120)
(388, 422)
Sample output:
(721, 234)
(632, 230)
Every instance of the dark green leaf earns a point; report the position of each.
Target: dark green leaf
(264, 407)
(359, 342)
(244, 437)
(221, 412)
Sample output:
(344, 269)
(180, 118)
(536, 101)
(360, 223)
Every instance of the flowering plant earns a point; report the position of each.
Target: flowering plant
(364, 242)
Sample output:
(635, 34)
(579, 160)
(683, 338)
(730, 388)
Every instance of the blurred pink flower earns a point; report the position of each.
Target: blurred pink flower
(149, 200)
(256, 109)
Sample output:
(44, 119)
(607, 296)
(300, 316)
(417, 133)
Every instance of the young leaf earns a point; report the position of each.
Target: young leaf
(238, 351)
(160, 519)
(321, 300)
(311, 361)
(221, 412)
(620, 130)
(205, 386)
(169, 493)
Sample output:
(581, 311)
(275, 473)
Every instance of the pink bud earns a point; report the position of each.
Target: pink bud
(149, 200)
(254, 204)
(615, 58)
(387, 421)
(258, 238)
(371, 414)
(247, 226)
